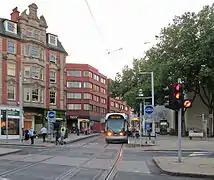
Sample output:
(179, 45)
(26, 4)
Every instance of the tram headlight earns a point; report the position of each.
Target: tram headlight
(109, 133)
(121, 134)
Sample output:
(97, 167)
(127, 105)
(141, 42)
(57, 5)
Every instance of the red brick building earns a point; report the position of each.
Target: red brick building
(26, 47)
(117, 105)
(86, 96)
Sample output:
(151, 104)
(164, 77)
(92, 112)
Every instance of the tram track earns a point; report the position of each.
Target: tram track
(110, 174)
(101, 175)
(16, 170)
(71, 173)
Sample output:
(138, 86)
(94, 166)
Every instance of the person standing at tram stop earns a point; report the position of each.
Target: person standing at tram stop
(62, 133)
(31, 133)
(44, 133)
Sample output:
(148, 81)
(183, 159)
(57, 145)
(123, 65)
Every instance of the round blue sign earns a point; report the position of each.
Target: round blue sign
(51, 114)
(149, 109)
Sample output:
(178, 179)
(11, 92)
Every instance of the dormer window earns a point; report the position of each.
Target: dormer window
(10, 27)
(52, 39)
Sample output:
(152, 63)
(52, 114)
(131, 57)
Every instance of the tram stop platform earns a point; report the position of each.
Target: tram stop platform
(145, 140)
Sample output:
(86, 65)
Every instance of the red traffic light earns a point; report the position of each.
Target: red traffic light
(187, 103)
(177, 87)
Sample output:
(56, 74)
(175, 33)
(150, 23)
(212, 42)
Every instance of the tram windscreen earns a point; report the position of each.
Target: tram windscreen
(116, 125)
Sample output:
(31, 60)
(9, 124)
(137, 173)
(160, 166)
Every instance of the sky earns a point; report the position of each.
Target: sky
(127, 24)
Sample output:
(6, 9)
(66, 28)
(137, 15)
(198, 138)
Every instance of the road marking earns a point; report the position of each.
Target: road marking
(199, 154)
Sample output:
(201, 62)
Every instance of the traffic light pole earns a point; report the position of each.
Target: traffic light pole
(179, 135)
(141, 111)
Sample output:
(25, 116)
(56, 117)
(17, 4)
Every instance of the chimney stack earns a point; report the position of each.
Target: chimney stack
(15, 15)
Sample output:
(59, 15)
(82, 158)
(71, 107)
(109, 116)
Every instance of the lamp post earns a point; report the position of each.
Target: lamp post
(140, 95)
(153, 96)
(20, 107)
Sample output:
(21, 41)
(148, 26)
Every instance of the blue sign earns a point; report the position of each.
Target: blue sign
(51, 115)
(148, 109)
(147, 126)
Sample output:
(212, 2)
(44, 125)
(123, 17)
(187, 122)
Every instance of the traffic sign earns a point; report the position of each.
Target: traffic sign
(147, 126)
(51, 115)
(187, 103)
(148, 109)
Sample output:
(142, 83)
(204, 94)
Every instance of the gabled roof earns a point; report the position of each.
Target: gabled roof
(8, 34)
(59, 46)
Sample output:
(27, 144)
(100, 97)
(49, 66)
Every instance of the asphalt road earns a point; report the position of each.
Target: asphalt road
(89, 159)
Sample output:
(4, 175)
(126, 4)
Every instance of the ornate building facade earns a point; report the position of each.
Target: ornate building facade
(27, 49)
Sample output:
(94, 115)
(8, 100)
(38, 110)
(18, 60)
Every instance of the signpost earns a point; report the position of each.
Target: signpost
(51, 116)
(148, 111)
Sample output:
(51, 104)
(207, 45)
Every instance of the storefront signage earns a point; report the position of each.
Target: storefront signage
(11, 113)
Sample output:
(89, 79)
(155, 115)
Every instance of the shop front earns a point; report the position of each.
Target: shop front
(72, 123)
(60, 116)
(83, 125)
(33, 118)
(9, 123)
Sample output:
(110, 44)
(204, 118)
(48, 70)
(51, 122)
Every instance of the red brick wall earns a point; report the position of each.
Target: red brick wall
(4, 72)
(18, 66)
(86, 67)
(58, 82)
(47, 79)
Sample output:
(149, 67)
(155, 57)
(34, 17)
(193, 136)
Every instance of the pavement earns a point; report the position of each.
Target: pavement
(170, 143)
(198, 155)
(38, 141)
(190, 166)
(6, 151)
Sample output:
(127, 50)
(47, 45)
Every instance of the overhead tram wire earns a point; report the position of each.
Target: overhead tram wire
(95, 22)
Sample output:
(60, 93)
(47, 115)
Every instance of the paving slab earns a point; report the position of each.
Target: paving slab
(38, 142)
(170, 143)
(66, 161)
(99, 164)
(6, 151)
(133, 166)
(190, 166)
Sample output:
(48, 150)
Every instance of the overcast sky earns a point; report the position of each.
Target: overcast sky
(126, 24)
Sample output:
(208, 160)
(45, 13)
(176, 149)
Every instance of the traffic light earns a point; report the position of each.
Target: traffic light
(177, 96)
(168, 96)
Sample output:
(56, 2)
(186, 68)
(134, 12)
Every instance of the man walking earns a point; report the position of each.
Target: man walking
(31, 133)
(44, 133)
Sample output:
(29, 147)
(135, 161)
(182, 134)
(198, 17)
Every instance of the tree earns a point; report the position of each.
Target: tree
(185, 50)
(187, 47)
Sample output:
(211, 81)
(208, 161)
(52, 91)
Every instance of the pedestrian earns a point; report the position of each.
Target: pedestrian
(62, 135)
(57, 136)
(31, 133)
(44, 133)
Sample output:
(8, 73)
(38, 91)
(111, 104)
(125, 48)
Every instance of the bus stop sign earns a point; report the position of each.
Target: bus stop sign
(148, 109)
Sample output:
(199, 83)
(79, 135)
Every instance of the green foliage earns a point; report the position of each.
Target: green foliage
(185, 50)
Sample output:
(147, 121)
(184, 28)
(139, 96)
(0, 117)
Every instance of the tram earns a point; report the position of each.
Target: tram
(116, 127)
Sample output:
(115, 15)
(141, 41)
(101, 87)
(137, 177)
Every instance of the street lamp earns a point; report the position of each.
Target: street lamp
(153, 96)
(140, 96)
(21, 123)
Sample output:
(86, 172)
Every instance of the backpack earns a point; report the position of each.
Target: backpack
(31, 132)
